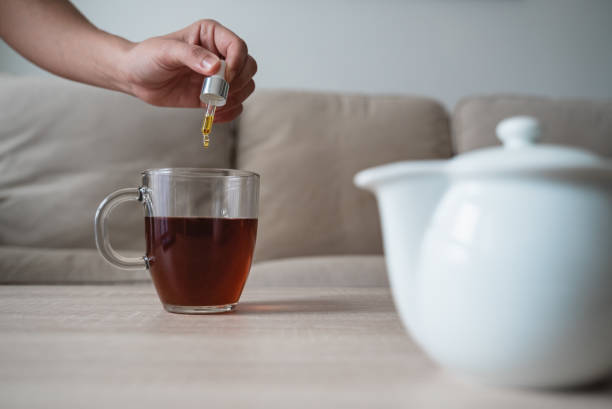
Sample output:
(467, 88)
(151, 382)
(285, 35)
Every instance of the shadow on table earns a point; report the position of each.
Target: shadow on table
(603, 386)
(599, 388)
(315, 305)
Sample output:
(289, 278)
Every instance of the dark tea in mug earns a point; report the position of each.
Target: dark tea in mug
(199, 260)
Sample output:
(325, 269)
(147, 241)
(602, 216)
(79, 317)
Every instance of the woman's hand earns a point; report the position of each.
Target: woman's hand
(169, 70)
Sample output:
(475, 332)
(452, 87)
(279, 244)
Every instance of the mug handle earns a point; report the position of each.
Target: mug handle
(101, 231)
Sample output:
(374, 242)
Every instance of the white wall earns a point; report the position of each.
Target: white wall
(440, 48)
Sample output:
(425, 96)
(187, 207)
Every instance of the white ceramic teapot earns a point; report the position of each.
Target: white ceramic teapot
(500, 260)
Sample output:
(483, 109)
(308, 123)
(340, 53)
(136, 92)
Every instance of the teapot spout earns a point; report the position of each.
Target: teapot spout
(407, 194)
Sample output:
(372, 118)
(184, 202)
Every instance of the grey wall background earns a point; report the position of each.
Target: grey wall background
(440, 48)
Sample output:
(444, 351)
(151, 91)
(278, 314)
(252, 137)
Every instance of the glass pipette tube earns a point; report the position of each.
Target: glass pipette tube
(207, 122)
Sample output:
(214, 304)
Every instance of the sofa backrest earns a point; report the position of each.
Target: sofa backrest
(584, 124)
(308, 146)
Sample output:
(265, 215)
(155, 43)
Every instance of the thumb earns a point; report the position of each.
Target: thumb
(195, 57)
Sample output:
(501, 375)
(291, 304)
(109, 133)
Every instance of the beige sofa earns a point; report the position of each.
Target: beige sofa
(64, 146)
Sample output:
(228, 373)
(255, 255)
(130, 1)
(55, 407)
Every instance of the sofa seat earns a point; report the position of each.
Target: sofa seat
(31, 265)
(19, 265)
(316, 271)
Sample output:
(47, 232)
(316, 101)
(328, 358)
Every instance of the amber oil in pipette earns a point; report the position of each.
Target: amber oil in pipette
(207, 123)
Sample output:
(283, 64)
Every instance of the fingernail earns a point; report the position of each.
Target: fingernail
(209, 61)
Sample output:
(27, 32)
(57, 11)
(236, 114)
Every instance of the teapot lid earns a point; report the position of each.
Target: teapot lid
(520, 151)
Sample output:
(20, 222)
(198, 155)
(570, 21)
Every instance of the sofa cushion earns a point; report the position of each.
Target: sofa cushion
(64, 146)
(85, 266)
(328, 271)
(30, 265)
(307, 148)
(585, 124)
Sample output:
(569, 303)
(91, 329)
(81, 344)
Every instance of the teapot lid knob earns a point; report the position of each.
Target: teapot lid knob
(518, 131)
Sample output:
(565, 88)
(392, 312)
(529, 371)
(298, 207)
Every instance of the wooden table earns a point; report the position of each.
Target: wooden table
(113, 346)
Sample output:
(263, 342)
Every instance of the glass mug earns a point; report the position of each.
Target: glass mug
(200, 229)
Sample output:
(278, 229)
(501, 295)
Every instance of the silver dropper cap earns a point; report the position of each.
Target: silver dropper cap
(215, 88)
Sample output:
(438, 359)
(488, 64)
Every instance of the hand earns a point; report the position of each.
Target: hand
(169, 70)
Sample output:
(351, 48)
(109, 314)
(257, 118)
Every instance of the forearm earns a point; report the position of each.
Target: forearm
(56, 36)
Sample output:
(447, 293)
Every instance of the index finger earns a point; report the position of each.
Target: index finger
(215, 36)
